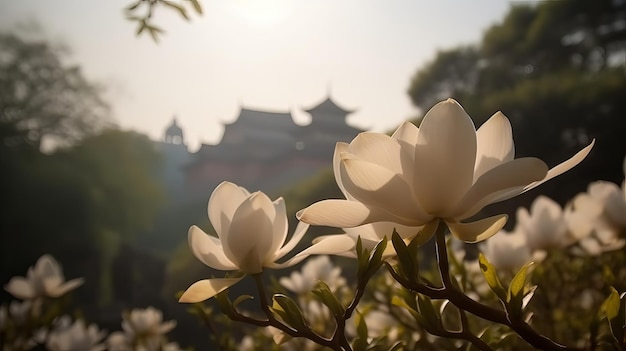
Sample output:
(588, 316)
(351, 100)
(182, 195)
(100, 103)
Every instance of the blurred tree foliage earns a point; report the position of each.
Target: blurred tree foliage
(557, 69)
(79, 204)
(43, 98)
(95, 191)
(142, 12)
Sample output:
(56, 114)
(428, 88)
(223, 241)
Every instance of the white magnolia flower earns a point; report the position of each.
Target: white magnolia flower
(75, 336)
(613, 202)
(251, 232)
(44, 279)
(20, 312)
(445, 169)
(598, 217)
(507, 251)
(314, 270)
(545, 225)
(142, 329)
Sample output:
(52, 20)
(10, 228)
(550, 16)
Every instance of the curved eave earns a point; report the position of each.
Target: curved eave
(329, 105)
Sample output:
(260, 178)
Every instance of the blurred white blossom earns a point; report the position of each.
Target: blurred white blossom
(544, 226)
(314, 270)
(45, 279)
(143, 329)
(587, 221)
(74, 336)
(507, 251)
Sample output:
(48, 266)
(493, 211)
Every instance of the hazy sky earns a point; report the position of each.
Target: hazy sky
(266, 54)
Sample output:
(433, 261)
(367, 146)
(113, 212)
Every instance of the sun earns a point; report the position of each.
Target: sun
(262, 13)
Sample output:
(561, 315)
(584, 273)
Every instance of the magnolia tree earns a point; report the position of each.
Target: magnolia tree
(400, 191)
(553, 283)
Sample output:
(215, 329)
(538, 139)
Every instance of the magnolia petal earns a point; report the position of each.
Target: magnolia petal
(544, 205)
(494, 144)
(280, 224)
(208, 250)
(563, 166)
(166, 327)
(581, 215)
(20, 287)
(429, 230)
(298, 234)
(378, 186)
(479, 230)
(206, 289)
(343, 214)
(518, 172)
(223, 202)
(330, 245)
(377, 148)
(60, 290)
(335, 213)
(445, 155)
(406, 132)
(406, 135)
(340, 148)
(378, 230)
(251, 233)
(613, 199)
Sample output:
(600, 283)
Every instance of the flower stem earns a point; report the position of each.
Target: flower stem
(462, 301)
(306, 333)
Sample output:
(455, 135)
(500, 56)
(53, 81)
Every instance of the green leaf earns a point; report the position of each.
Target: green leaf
(362, 258)
(360, 343)
(181, 10)
(377, 257)
(407, 262)
(615, 310)
(325, 295)
(225, 304)
(196, 6)
(490, 274)
(288, 311)
(133, 6)
(515, 293)
(431, 317)
(142, 25)
(397, 301)
(154, 32)
(361, 327)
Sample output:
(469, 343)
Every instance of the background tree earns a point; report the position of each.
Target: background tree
(42, 98)
(90, 195)
(80, 204)
(557, 70)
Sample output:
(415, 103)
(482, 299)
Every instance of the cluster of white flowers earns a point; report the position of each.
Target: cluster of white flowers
(592, 223)
(143, 330)
(67, 335)
(24, 325)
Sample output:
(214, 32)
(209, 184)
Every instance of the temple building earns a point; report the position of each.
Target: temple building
(263, 150)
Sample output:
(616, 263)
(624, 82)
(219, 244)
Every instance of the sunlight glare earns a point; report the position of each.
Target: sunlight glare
(262, 13)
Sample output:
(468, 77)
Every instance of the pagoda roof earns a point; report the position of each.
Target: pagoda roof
(328, 105)
(174, 128)
(264, 118)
